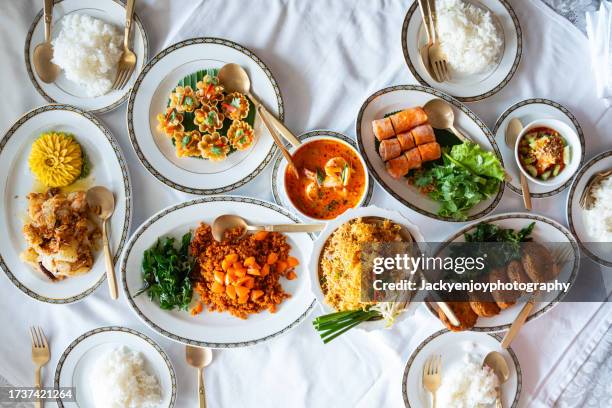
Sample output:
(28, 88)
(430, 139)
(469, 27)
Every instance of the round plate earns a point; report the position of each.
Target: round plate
(399, 97)
(528, 111)
(313, 265)
(156, 152)
(545, 230)
(65, 91)
(212, 329)
(280, 195)
(108, 168)
(476, 87)
(452, 347)
(80, 357)
(599, 252)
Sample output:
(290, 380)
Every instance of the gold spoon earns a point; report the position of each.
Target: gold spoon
(229, 221)
(199, 357)
(43, 53)
(513, 129)
(441, 116)
(102, 202)
(498, 364)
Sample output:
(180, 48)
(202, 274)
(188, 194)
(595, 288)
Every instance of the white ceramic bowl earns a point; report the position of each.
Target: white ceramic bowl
(313, 265)
(293, 150)
(572, 140)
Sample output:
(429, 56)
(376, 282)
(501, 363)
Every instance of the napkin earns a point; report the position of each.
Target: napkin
(599, 32)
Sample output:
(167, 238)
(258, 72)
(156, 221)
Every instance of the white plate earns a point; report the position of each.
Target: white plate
(599, 252)
(528, 111)
(280, 164)
(156, 152)
(475, 87)
(313, 265)
(452, 347)
(399, 97)
(545, 230)
(212, 329)
(65, 91)
(80, 357)
(108, 168)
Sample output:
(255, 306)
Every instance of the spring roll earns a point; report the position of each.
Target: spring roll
(389, 149)
(414, 158)
(398, 167)
(406, 141)
(407, 119)
(383, 129)
(430, 151)
(423, 134)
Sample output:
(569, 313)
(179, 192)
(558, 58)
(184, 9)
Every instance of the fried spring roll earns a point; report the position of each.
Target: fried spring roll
(389, 149)
(406, 141)
(423, 134)
(430, 151)
(383, 129)
(398, 167)
(414, 159)
(407, 119)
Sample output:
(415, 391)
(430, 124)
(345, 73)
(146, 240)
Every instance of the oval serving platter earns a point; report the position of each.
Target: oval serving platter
(212, 329)
(108, 168)
(280, 164)
(474, 87)
(545, 231)
(598, 251)
(150, 96)
(395, 98)
(78, 360)
(65, 91)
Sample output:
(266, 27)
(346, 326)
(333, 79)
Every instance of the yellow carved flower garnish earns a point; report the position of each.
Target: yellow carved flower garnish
(240, 134)
(56, 159)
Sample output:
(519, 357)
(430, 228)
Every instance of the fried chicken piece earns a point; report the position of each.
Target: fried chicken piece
(484, 309)
(538, 263)
(466, 316)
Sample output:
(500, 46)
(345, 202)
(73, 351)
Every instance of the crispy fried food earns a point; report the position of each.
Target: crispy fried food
(504, 299)
(484, 309)
(466, 316)
(61, 238)
(538, 263)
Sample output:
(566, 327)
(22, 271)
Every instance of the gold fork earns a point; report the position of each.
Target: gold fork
(127, 62)
(40, 356)
(432, 376)
(437, 57)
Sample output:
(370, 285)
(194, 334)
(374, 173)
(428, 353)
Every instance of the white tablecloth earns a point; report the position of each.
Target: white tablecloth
(328, 56)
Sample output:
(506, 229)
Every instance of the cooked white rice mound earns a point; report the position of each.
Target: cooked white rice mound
(120, 380)
(599, 218)
(468, 36)
(88, 49)
(467, 386)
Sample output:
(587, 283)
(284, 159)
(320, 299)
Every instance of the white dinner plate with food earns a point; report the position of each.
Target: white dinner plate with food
(321, 154)
(405, 102)
(462, 356)
(547, 232)
(224, 328)
(90, 89)
(205, 157)
(593, 227)
(529, 111)
(481, 38)
(95, 364)
(101, 163)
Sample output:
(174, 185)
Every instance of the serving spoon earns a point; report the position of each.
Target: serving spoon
(513, 129)
(199, 357)
(442, 116)
(498, 364)
(101, 200)
(226, 222)
(43, 53)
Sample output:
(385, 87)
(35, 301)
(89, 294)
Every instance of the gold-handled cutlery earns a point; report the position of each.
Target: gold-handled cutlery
(561, 255)
(235, 79)
(43, 53)
(102, 202)
(513, 129)
(432, 376)
(441, 116)
(586, 198)
(424, 50)
(229, 221)
(127, 62)
(437, 56)
(199, 357)
(40, 356)
(279, 143)
(498, 364)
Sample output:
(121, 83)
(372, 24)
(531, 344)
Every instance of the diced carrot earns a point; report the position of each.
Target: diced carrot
(219, 277)
(197, 309)
(250, 283)
(217, 287)
(272, 258)
(229, 277)
(225, 264)
(243, 299)
(241, 281)
(265, 270)
(233, 257)
(260, 235)
(256, 294)
(272, 308)
(291, 275)
(250, 261)
(292, 261)
(240, 273)
(281, 266)
(254, 272)
(242, 291)
(230, 291)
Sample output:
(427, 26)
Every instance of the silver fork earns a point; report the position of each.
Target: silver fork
(127, 62)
